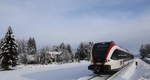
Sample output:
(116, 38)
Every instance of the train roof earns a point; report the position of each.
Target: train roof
(109, 43)
(105, 43)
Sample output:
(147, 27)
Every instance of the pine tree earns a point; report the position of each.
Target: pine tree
(82, 51)
(8, 56)
(62, 46)
(69, 48)
(31, 46)
(70, 51)
(0, 45)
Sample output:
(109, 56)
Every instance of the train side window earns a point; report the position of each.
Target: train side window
(122, 55)
(115, 55)
(118, 54)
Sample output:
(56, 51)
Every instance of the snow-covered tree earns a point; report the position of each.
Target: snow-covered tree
(22, 46)
(22, 51)
(145, 50)
(27, 51)
(8, 56)
(69, 48)
(0, 45)
(43, 58)
(83, 51)
(67, 55)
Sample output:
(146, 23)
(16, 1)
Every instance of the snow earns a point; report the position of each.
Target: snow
(141, 71)
(133, 72)
(99, 77)
(54, 52)
(70, 71)
(74, 71)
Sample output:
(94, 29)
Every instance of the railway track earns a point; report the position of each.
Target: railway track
(99, 77)
(106, 76)
(92, 77)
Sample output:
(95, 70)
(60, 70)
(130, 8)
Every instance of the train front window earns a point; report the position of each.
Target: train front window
(99, 52)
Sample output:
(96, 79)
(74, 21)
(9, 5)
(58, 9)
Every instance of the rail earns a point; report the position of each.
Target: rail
(108, 77)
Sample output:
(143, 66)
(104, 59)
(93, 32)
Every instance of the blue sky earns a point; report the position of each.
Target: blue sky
(72, 21)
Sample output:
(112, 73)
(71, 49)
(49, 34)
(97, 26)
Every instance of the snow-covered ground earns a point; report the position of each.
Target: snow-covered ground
(70, 71)
(133, 72)
(74, 71)
(141, 71)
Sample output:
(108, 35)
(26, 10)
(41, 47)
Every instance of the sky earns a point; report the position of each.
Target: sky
(73, 21)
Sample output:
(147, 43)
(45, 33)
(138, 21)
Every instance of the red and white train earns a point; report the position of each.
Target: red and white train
(107, 56)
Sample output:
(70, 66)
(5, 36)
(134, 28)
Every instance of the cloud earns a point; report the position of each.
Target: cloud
(73, 21)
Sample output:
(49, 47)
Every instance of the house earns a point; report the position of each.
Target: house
(54, 55)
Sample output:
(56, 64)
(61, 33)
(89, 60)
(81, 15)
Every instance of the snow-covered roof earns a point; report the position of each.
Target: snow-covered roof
(31, 57)
(54, 52)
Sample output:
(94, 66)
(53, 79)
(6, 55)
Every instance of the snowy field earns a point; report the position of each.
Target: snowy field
(70, 71)
(73, 71)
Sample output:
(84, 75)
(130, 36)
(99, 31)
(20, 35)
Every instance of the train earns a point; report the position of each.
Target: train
(109, 57)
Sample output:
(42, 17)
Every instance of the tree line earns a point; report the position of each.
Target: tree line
(14, 52)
